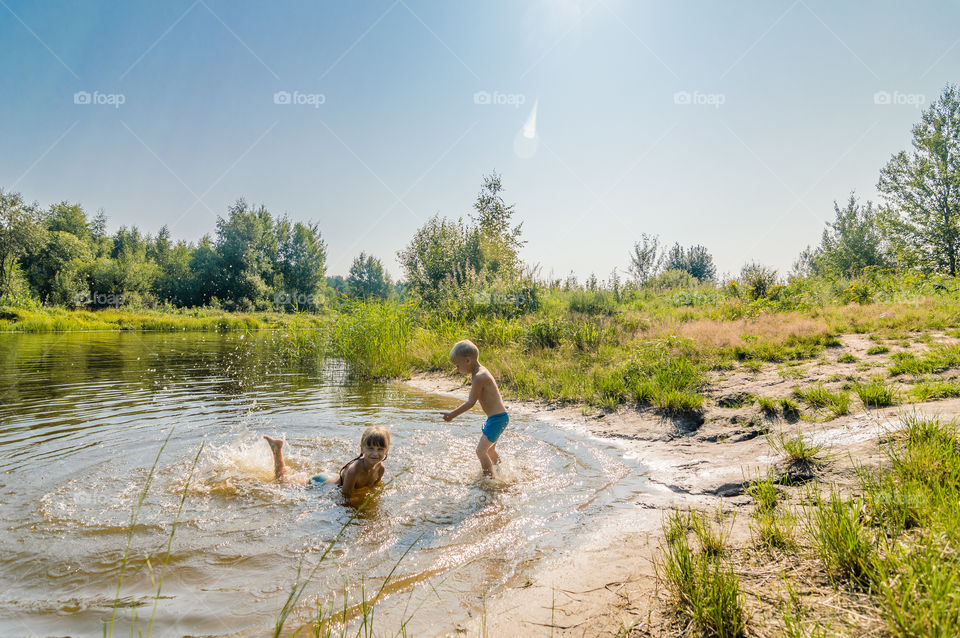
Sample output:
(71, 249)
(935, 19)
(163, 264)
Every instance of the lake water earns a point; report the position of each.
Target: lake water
(83, 415)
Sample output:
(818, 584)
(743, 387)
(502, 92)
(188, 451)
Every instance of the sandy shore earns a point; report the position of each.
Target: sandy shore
(609, 582)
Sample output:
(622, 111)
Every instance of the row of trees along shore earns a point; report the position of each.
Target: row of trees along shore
(259, 261)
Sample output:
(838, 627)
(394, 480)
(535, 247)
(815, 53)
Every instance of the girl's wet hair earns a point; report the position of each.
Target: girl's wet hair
(376, 436)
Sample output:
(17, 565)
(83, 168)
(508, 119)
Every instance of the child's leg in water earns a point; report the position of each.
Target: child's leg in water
(483, 453)
(279, 467)
(492, 453)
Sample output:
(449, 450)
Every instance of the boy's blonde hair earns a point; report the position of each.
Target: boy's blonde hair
(465, 348)
(376, 436)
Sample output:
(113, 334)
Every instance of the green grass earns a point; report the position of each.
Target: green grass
(374, 339)
(796, 449)
(704, 588)
(768, 406)
(819, 397)
(56, 319)
(878, 350)
(933, 390)
(774, 530)
(764, 493)
(844, 543)
(847, 357)
(790, 409)
(937, 359)
(877, 393)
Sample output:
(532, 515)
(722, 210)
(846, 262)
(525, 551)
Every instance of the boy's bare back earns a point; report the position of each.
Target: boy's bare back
(487, 391)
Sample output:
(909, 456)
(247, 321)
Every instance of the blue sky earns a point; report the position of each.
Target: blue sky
(733, 125)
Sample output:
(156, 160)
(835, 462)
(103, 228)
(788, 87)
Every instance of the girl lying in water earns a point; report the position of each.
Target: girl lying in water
(364, 471)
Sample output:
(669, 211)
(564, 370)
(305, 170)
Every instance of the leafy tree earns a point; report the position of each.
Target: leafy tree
(176, 282)
(247, 247)
(695, 260)
(855, 240)
(445, 255)
(56, 270)
(441, 251)
(301, 259)
(922, 188)
(646, 258)
(20, 233)
(205, 267)
(367, 278)
(337, 283)
(69, 218)
(499, 240)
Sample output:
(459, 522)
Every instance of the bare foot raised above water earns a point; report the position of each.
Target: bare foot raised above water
(276, 445)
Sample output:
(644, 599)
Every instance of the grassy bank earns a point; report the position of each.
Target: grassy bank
(602, 347)
(56, 319)
(879, 557)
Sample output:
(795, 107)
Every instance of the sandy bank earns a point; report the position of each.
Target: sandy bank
(609, 582)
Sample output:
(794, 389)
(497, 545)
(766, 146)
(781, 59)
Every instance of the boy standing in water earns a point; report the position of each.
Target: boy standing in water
(465, 356)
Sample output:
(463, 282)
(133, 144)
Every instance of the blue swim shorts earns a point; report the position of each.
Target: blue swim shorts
(321, 478)
(495, 426)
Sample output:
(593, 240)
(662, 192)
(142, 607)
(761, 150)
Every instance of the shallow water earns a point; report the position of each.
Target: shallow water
(83, 415)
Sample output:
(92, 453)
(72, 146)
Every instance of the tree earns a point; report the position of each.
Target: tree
(445, 253)
(301, 260)
(247, 247)
(499, 240)
(176, 282)
(922, 188)
(367, 278)
(646, 258)
(441, 251)
(205, 269)
(855, 240)
(695, 260)
(20, 233)
(56, 270)
(69, 218)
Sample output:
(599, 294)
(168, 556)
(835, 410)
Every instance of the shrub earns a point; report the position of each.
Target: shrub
(593, 302)
(758, 280)
(547, 333)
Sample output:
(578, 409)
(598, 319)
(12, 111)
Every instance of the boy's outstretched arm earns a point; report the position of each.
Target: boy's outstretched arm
(466, 405)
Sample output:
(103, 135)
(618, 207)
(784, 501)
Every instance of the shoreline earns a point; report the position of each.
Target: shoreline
(608, 583)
